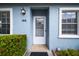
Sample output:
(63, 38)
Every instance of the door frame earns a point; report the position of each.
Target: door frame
(34, 28)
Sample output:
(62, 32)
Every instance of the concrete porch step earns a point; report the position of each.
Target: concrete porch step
(41, 48)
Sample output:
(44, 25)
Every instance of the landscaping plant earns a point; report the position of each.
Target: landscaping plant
(12, 45)
(68, 52)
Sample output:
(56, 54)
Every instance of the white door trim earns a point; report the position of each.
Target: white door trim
(41, 42)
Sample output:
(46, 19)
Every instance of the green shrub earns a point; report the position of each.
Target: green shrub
(73, 52)
(12, 45)
(68, 52)
(62, 52)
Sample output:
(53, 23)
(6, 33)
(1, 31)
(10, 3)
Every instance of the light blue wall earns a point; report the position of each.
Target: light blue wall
(54, 40)
(20, 27)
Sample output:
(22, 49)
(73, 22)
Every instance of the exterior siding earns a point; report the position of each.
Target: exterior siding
(20, 27)
(54, 40)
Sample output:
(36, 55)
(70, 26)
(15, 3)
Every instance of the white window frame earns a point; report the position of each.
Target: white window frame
(60, 23)
(11, 19)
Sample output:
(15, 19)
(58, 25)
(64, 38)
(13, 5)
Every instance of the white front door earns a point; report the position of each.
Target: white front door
(39, 27)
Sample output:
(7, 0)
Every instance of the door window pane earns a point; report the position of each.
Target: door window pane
(39, 27)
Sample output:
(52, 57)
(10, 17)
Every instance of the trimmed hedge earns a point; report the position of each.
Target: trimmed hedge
(12, 45)
(68, 52)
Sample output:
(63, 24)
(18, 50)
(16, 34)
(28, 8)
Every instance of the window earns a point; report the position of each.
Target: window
(39, 27)
(69, 23)
(5, 21)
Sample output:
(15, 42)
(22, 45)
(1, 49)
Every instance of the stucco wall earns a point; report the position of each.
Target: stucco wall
(20, 27)
(54, 40)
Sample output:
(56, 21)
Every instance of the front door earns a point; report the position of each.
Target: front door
(39, 27)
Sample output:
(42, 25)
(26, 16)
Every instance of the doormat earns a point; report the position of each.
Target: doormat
(39, 54)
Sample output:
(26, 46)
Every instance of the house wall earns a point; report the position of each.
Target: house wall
(54, 40)
(20, 27)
